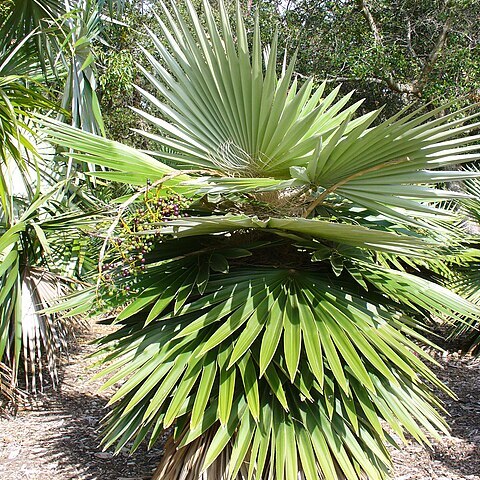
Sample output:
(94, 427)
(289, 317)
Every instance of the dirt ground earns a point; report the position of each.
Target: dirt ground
(58, 438)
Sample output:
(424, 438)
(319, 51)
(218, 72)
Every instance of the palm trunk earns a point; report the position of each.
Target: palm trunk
(186, 463)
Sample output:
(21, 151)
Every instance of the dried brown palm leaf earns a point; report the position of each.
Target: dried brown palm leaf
(186, 463)
(10, 396)
(45, 336)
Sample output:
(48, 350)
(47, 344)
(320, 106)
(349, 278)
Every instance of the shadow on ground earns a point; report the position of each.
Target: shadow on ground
(76, 443)
(461, 452)
(64, 444)
(58, 437)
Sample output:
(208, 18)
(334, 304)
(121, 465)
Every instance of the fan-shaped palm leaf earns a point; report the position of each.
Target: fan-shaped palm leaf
(464, 277)
(223, 111)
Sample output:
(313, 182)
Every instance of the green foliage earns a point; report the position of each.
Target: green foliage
(35, 251)
(118, 73)
(464, 277)
(5, 9)
(117, 93)
(63, 36)
(20, 98)
(117, 78)
(334, 42)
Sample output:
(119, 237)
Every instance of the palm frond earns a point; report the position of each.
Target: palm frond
(292, 334)
(347, 234)
(10, 395)
(36, 16)
(31, 339)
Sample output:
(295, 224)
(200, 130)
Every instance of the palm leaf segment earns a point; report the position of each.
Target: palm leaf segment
(34, 253)
(232, 330)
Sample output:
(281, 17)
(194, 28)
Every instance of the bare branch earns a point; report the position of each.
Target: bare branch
(403, 88)
(371, 22)
(354, 79)
(409, 43)
(416, 86)
(419, 84)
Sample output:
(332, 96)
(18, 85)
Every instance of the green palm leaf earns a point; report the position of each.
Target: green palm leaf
(224, 112)
(364, 356)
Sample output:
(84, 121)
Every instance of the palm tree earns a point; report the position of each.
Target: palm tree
(266, 272)
(39, 211)
(62, 34)
(22, 176)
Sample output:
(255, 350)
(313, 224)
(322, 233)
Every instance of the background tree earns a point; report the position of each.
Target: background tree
(392, 52)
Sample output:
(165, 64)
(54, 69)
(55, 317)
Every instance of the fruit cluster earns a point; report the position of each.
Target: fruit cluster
(139, 234)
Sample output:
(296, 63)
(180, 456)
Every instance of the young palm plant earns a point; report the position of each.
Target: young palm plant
(22, 175)
(265, 273)
(465, 277)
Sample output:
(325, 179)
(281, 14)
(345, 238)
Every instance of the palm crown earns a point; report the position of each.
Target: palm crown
(268, 310)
